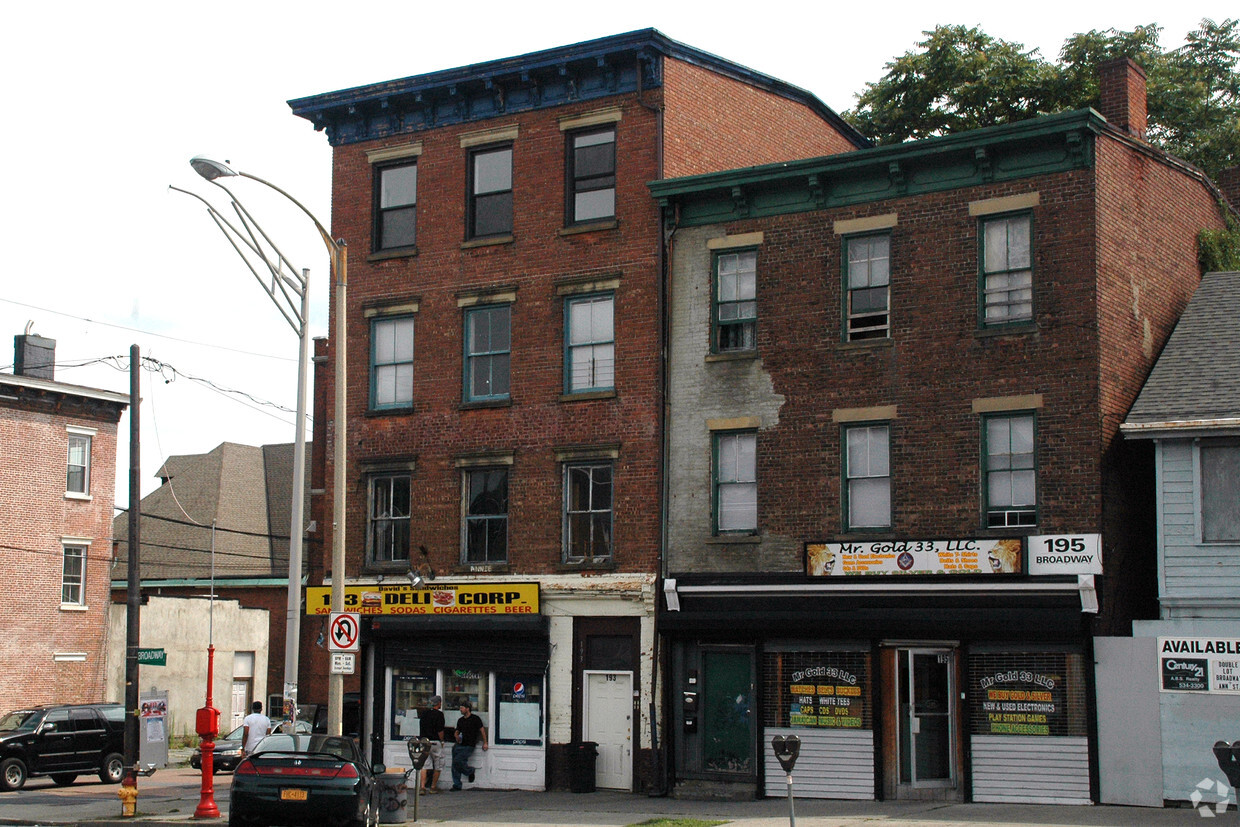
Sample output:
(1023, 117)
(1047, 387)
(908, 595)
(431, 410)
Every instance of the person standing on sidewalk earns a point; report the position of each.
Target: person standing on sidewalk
(469, 729)
(430, 727)
(254, 728)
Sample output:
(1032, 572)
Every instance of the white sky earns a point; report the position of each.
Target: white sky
(106, 103)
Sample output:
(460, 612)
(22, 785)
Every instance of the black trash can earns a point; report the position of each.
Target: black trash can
(581, 755)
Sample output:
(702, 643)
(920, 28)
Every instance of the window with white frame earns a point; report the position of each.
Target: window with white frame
(391, 362)
(1220, 482)
(488, 350)
(1010, 473)
(588, 516)
(1007, 269)
(77, 478)
(396, 212)
(867, 283)
(736, 304)
(590, 344)
(736, 482)
(73, 575)
(867, 476)
(387, 526)
(591, 175)
(485, 529)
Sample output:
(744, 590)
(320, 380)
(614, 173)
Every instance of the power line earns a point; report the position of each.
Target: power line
(147, 332)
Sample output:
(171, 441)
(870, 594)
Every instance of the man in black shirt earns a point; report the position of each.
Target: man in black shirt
(430, 727)
(469, 729)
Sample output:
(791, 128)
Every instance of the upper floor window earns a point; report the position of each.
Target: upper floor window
(867, 287)
(77, 478)
(1220, 480)
(736, 482)
(73, 576)
(590, 344)
(391, 362)
(1007, 269)
(1010, 474)
(490, 192)
(587, 512)
(867, 476)
(486, 515)
(488, 346)
(387, 529)
(396, 214)
(736, 305)
(591, 175)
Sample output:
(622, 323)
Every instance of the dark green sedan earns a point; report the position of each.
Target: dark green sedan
(304, 781)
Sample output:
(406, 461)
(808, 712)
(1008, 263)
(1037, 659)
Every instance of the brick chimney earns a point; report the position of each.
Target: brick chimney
(34, 356)
(1122, 84)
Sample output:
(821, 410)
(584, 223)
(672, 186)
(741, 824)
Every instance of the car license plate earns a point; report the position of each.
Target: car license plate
(294, 795)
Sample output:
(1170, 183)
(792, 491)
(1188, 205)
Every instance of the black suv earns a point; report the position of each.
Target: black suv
(62, 741)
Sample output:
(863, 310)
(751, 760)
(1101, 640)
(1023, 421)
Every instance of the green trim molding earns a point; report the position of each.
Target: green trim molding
(1050, 144)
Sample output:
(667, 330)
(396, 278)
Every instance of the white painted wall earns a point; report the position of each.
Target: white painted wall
(182, 627)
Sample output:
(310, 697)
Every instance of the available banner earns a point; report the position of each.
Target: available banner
(915, 557)
(1199, 664)
(463, 599)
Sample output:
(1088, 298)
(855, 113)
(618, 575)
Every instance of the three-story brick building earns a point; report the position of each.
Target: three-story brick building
(898, 505)
(58, 479)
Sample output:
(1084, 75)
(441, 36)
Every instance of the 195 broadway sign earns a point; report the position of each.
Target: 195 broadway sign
(467, 599)
(914, 557)
(1199, 664)
(1065, 554)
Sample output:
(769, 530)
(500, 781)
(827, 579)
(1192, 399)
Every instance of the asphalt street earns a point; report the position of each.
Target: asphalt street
(171, 796)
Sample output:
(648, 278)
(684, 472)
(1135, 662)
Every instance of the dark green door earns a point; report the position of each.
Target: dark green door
(727, 712)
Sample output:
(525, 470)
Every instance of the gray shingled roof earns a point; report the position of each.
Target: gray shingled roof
(1197, 376)
(242, 488)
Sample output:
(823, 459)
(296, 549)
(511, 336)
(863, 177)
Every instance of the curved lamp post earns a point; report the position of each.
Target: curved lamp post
(282, 289)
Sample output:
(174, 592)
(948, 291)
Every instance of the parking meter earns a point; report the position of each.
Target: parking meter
(1228, 756)
(419, 751)
(786, 751)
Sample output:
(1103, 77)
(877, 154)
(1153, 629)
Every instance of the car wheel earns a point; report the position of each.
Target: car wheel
(12, 774)
(112, 769)
(64, 779)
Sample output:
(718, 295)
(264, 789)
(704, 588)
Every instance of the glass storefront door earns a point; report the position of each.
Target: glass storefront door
(925, 688)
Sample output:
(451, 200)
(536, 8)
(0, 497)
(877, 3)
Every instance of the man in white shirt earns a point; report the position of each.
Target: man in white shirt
(254, 728)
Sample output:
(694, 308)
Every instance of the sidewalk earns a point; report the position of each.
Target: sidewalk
(492, 808)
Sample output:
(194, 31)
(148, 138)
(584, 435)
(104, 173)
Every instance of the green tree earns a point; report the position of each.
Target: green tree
(960, 78)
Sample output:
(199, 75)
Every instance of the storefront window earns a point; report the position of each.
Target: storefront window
(411, 692)
(465, 685)
(817, 690)
(518, 717)
(1027, 693)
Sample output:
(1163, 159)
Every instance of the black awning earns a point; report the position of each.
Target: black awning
(1042, 616)
(501, 644)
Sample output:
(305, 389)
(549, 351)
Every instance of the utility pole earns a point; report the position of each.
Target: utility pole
(134, 604)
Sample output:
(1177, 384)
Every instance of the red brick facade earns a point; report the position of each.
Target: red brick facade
(54, 652)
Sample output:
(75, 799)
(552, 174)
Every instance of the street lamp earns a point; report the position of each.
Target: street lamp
(282, 290)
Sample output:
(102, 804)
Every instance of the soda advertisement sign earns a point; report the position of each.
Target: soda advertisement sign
(446, 599)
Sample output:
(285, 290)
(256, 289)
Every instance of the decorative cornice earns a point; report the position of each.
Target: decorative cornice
(1054, 143)
(591, 70)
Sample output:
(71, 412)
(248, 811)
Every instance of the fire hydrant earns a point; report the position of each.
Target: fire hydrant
(128, 794)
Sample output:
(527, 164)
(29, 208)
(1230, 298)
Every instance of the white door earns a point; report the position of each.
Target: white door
(240, 704)
(609, 723)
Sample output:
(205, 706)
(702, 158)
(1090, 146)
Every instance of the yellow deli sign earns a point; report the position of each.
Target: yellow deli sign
(463, 599)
